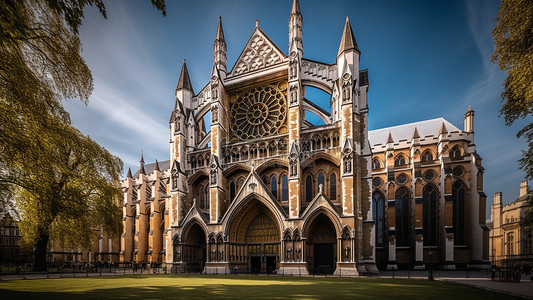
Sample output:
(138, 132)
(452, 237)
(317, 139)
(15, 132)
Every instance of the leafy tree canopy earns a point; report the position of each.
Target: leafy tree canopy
(513, 37)
(63, 182)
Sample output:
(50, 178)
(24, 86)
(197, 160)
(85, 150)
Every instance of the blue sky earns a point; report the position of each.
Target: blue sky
(426, 59)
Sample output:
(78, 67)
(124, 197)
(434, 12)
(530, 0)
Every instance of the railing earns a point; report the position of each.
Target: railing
(199, 159)
(270, 147)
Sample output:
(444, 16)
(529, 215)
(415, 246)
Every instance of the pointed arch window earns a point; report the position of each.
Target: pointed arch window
(201, 196)
(274, 186)
(232, 191)
(458, 196)
(402, 218)
(284, 188)
(333, 187)
(308, 188)
(427, 156)
(376, 164)
(455, 152)
(430, 218)
(320, 180)
(240, 183)
(378, 210)
(400, 161)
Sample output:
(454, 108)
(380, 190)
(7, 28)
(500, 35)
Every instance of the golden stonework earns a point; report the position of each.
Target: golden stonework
(258, 112)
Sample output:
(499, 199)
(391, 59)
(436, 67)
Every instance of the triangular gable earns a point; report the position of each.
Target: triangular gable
(253, 185)
(194, 213)
(259, 52)
(319, 201)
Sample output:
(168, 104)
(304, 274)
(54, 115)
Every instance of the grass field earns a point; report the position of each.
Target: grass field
(243, 287)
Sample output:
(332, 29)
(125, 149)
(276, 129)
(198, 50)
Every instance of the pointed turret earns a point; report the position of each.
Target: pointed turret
(185, 81)
(390, 139)
(295, 7)
(348, 39)
(156, 167)
(295, 28)
(220, 31)
(141, 168)
(184, 91)
(219, 52)
(415, 134)
(443, 129)
(129, 173)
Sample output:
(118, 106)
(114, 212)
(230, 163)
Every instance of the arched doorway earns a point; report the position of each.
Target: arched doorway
(194, 249)
(254, 240)
(322, 246)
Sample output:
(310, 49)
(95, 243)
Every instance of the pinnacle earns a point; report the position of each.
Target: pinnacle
(220, 31)
(295, 7)
(129, 173)
(390, 139)
(415, 134)
(156, 167)
(443, 129)
(348, 39)
(185, 81)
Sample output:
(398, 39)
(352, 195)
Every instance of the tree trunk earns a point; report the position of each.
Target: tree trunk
(39, 252)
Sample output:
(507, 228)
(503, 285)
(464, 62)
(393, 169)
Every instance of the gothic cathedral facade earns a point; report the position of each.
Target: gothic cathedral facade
(266, 191)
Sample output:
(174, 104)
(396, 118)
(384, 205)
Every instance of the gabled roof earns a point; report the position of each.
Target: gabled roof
(405, 132)
(259, 52)
(148, 168)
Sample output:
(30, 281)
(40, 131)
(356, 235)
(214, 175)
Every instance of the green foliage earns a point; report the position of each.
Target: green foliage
(63, 182)
(513, 37)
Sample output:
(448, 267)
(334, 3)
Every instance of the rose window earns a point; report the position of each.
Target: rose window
(258, 112)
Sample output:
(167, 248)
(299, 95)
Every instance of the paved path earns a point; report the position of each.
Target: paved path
(524, 289)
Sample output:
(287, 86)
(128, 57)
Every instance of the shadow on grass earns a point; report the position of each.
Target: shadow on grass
(248, 287)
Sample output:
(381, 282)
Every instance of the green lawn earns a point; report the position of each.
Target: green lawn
(248, 287)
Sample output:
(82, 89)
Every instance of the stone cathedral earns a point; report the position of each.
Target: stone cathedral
(260, 189)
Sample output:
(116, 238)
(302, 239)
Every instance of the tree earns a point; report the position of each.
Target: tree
(64, 184)
(513, 38)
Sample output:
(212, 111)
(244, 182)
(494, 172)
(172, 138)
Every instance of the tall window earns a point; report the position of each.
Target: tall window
(333, 187)
(399, 161)
(321, 180)
(284, 188)
(274, 187)
(458, 195)
(378, 210)
(240, 183)
(232, 191)
(308, 188)
(430, 220)
(510, 243)
(427, 156)
(402, 218)
(201, 196)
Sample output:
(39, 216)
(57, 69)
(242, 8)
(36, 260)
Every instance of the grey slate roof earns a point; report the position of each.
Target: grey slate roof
(405, 132)
(163, 165)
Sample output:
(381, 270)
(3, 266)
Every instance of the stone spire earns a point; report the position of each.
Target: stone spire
(141, 169)
(184, 83)
(156, 167)
(415, 134)
(129, 173)
(348, 39)
(220, 31)
(295, 7)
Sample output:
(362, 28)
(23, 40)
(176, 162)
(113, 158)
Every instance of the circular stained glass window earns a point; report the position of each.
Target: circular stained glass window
(401, 179)
(458, 171)
(376, 182)
(258, 112)
(429, 175)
